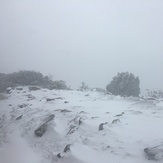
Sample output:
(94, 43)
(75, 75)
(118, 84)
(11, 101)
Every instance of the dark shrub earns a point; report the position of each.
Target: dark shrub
(124, 84)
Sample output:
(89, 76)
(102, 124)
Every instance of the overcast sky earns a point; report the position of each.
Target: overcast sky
(83, 40)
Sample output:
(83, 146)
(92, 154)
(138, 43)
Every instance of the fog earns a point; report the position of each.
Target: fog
(81, 40)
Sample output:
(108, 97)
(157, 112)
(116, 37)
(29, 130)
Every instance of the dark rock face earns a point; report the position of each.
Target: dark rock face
(59, 155)
(34, 88)
(49, 118)
(72, 129)
(80, 121)
(23, 105)
(65, 111)
(18, 118)
(19, 88)
(39, 132)
(66, 102)
(118, 115)
(115, 121)
(67, 148)
(154, 153)
(101, 126)
(59, 98)
(50, 99)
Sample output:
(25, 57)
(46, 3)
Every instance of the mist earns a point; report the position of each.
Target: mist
(86, 41)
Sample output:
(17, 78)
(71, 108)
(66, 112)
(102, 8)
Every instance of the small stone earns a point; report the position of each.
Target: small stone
(34, 88)
(101, 126)
(65, 110)
(59, 155)
(115, 121)
(67, 148)
(80, 121)
(154, 153)
(18, 118)
(50, 99)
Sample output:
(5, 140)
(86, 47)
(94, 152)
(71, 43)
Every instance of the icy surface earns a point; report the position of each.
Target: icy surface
(129, 126)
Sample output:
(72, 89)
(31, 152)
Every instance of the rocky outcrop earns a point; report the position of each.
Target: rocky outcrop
(39, 132)
(154, 153)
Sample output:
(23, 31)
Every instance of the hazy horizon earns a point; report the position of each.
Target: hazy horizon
(86, 41)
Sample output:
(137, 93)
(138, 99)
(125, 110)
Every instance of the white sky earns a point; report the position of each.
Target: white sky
(83, 40)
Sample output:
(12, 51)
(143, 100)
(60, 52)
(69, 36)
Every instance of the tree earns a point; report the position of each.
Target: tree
(59, 84)
(83, 87)
(124, 84)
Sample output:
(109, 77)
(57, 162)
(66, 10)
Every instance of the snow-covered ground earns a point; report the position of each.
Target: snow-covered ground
(128, 126)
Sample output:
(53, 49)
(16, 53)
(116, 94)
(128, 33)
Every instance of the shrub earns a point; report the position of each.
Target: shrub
(83, 87)
(124, 84)
(24, 78)
(156, 94)
(59, 84)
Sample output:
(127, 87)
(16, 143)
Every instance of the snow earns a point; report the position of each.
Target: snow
(123, 142)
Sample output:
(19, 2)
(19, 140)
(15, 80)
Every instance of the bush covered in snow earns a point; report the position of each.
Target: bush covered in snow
(59, 84)
(157, 94)
(84, 87)
(24, 78)
(124, 84)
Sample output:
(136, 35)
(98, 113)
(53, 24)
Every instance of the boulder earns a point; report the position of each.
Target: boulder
(65, 110)
(39, 132)
(115, 121)
(101, 126)
(72, 129)
(67, 148)
(19, 88)
(33, 88)
(50, 99)
(118, 115)
(18, 118)
(154, 153)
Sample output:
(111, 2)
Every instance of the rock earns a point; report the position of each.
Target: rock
(118, 115)
(65, 110)
(80, 121)
(19, 88)
(66, 102)
(94, 117)
(86, 95)
(67, 148)
(30, 97)
(101, 126)
(154, 153)
(50, 99)
(83, 112)
(59, 98)
(23, 105)
(49, 118)
(34, 88)
(9, 105)
(59, 155)
(115, 121)
(72, 129)
(42, 129)
(18, 118)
